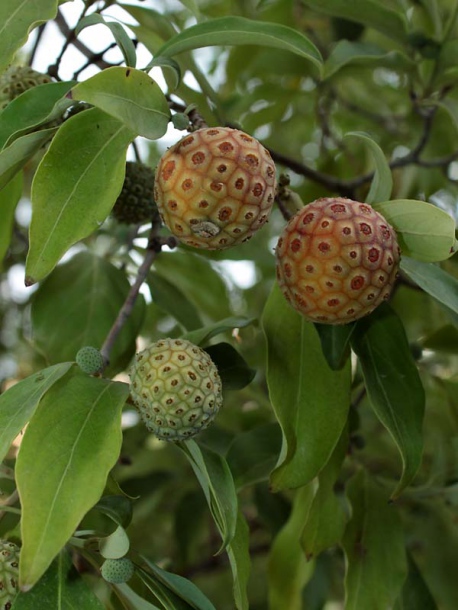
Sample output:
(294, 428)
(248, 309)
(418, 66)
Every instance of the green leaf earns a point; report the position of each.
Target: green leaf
(13, 158)
(167, 62)
(238, 31)
(60, 587)
(374, 545)
(129, 95)
(68, 449)
(238, 552)
(9, 197)
(116, 545)
(122, 38)
(310, 400)
(135, 601)
(165, 596)
(364, 54)
(17, 19)
(234, 371)
(173, 301)
(75, 186)
(424, 231)
(367, 12)
(335, 343)
(393, 385)
(444, 339)
(216, 480)
(32, 108)
(77, 306)
(202, 335)
(433, 280)
(327, 517)
(117, 508)
(382, 182)
(182, 587)
(433, 542)
(288, 569)
(415, 594)
(18, 404)
(252, 455)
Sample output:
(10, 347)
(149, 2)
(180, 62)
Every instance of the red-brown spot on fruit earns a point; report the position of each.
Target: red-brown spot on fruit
(296, 245)
(373, 255)
(216, 186)
(252, 160)
(353, 254)
(309, 269)
(187, 141)
(309, 289)
(225, 213)
(186, 184)
(333, 302)
(288, 270)
(226, 147)
(249, 216)
(239, 183)
(346, 230)
(338, 208)
(168, 170)
(198, 158)
(257, 189)
(365, 228)
(172, 204)
(212, 132)
(337, 268)
(203, 204)
(325, 224)
(308, 218)
(357, 282)
(221, 168)
(324, 246)
(365, 209)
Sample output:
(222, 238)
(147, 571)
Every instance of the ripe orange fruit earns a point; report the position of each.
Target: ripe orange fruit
(337, 259)
(215, 187)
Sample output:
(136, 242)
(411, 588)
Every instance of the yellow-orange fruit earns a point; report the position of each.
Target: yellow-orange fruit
(215, 187)
(337, 260)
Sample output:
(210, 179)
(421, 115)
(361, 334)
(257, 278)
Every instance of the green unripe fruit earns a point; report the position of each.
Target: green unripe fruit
(117, 571)
(9, 573)
(176, 387)
(90, 360)
(18, 79)
(136, 203)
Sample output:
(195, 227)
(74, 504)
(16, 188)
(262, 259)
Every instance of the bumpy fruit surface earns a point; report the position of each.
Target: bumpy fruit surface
(18, 79)
(136, 203)
(215, 188)
(337, 260)
(9, 573)
(176, 387)
(90, 360)
(117, 571)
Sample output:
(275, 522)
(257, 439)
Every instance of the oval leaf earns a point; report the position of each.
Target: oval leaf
(18, 404)
(393, 385)
(72, 192)
(77, 305)
(74, 437)
(368, 12)
(424, 231)
(122, 38)
(9, 197)
(131, 96)
(202, 335)
(335, 343)
(35, 106)
(116, 545)
(382, 182)
(237, 31)
(168, 297)
(374, 544)
(310, 400)
(234, 371)
(216, 480)
(13, 158)
(17, 19)
(433, 280)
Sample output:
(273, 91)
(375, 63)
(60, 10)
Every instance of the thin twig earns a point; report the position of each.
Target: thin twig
(37, 41)
(152, 250)
(10, 501)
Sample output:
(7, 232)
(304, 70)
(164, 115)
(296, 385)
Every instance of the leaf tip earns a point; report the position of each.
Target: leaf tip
(26, 587)
(29, 281)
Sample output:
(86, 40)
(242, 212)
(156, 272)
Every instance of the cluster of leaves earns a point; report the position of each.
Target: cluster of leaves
(337, 453)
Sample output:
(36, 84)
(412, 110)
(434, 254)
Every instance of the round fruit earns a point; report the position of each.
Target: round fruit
(337, 260)
(176, 387)
(90, 360)
(215, 187)
(9, 573)
(117, 571)
(135, 203)
(18, 79)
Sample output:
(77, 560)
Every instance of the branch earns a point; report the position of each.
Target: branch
(152, 250)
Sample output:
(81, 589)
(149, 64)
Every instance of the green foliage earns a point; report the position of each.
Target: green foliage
(328, 477)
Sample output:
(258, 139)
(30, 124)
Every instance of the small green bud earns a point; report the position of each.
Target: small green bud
(117, 571)
(180, 120)
(90, 360)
